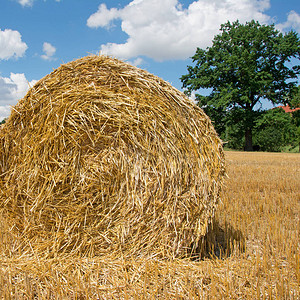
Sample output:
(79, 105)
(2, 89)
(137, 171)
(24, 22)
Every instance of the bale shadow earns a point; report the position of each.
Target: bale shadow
(219, 242)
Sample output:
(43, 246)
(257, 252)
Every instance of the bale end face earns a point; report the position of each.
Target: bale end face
(101, 157)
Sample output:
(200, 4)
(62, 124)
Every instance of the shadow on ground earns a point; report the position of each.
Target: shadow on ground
(219, 242)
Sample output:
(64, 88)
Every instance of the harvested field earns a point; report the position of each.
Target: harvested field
(252, 252)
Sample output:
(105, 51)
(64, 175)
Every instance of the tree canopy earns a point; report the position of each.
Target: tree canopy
(245, 64)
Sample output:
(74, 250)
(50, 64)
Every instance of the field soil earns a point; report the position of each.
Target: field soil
(251, 249)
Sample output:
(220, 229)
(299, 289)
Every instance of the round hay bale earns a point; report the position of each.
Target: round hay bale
(101, 157)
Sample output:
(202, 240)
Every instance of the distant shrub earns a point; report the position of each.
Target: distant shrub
(274, 130)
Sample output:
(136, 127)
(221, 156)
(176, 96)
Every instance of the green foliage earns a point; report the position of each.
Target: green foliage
(218, 117)
(296, 122)
(294, 97)
(296, 117)
(3, 121)
(245, 64)
(274, 130)
(234, 137)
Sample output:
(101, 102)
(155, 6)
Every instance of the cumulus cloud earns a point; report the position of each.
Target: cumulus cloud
(26, 2)
(49, 51)
(293, 21)
(103, 17)
(11, 44)
(12, 89)
(164, 30)
(4, 112)
(137, 62)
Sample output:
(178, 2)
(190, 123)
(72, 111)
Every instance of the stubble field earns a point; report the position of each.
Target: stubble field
(251, 251)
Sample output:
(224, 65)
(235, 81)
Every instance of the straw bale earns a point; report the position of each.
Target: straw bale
(101, 157)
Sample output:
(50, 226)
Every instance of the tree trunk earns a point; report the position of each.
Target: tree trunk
(248, 140)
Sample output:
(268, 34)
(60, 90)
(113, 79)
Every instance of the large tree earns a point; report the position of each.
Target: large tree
(245, 64)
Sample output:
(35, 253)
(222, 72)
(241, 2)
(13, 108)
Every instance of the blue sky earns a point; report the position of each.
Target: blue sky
(37, 36)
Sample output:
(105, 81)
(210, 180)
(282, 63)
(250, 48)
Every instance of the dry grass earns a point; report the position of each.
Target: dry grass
(255, 240)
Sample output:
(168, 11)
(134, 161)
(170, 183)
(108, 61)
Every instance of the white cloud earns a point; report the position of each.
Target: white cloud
(13, 88)
(293, 21)
(193, 96)
(4, 112)
(49, 51)
(137, 62)
(164, 30)
(29, 2)
(103, 17)
(11, 44)
(26, 2)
